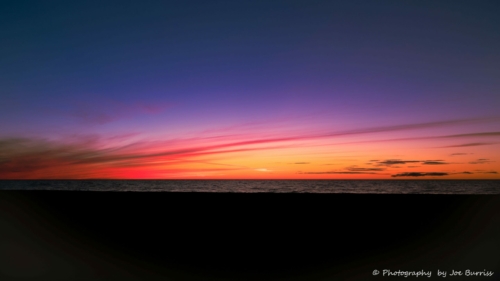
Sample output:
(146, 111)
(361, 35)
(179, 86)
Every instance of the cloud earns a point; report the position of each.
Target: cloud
(301, 163)
(418, 174)
(481, 161)
(339, 173)
(481, 134)
(469, 144)
(390, 162)
(30, 157)
(438, 162)
(352, 132)
(382, 129)
(22, 154)
(39, 158)
(25, 157)
(354, 169)
(458, 154)
(414, 126)
(470, 135)
(486, 172)
(348, 171)
(246, 145)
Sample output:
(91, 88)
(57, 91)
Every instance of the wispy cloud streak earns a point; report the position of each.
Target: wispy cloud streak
(469, 144)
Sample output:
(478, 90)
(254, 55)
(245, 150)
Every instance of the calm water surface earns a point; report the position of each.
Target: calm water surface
(267, 186)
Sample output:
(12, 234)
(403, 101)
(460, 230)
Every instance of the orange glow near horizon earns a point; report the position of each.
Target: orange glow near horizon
(308, 156)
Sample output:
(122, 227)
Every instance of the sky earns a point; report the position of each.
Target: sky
(249, 90)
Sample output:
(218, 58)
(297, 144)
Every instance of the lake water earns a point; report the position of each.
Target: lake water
(265, 186)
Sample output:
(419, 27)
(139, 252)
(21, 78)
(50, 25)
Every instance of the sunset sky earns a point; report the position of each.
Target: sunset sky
(250, 89)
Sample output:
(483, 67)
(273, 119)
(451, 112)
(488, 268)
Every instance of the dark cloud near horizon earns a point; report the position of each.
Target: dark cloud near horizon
(434, 163)
(349, 170)
(458, 154)
(340, 173)
(355, 169)
(390, 162)
(23, 155)
(301, 163)
(481, 161)
(485, 172)
(22, 165)
(419, 174)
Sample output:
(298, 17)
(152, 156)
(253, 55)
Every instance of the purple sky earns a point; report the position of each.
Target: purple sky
(111, 78)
